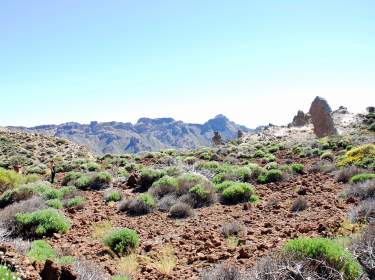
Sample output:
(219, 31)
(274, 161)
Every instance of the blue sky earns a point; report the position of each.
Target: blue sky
(254, 61)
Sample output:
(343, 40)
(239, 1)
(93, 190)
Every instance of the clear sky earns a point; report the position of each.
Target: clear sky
(254, 61)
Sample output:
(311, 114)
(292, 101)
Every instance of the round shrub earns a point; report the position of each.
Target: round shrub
(141, 205)
(113, 196)
(237, 193)
(362, 177)
(100, 180)
(273, 175)
(122, 241)
(43, 222)
(180, 210)
(148, 177)
(76, 202)
(327, 250)
(297, 168)
(201, 195)
(164, 186)
(54, 203)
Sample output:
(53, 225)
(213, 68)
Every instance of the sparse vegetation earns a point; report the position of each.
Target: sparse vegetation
(362, 177)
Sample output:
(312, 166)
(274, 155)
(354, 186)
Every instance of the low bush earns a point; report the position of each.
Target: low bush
(327, 156)
(100, 180)
(223, 272)
(112, 196)
(180, 210)
(77, 202)
(371, 127)
(141, 205)
(7, 274)
(362, 177)
(122, 241)
(327, 250)
(362, 156)
(43, 222)
(147, 177)
(231, 229)
(364, 212)
(299, 204)
(365, 190)
(15, 195)
(165, 203)
(364, 247)
(345, 174)
(201, 195)
(41, 251)
(297, 168)
(8, 214)
(235, 192)
(10, 179)
(54, 203)
(164, 186)
(270, 176)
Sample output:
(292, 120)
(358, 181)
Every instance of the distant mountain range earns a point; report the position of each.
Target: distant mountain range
(146, 135)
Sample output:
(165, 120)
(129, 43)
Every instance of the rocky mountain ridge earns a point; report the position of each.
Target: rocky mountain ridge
(145, 135)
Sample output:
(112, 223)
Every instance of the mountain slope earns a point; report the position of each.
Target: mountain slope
(146, 135)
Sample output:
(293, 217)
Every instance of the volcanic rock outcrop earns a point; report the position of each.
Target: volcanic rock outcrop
(321, 118)
(301, 119)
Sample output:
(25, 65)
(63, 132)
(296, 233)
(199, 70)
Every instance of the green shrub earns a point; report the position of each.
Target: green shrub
(120, 278)
(76, 202)
(201, 195)
(15, 195)
(362, 177)
(164, 186)
(54, 203)
(147, 199)
(83, 182)
(10, 179)
(148, 177)
(7, 274)
(273, 175)
(122, 241)
(327, 156)
(100, 180)
(41, 251)
(238, 192)
(297, 168)
(71, 177)
(328, 250)
(90, 166)
(232, 173)
(113, 196)
(371, 127)
(43, 222)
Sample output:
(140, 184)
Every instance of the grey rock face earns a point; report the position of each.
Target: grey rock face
(301, 119)
(321, 118)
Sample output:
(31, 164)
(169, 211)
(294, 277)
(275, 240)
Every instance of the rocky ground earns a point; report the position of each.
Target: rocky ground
(198, 241)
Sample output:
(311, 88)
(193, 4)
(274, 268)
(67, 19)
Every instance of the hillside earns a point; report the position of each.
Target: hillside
(146, 135)
(222, 212)
(33, 152)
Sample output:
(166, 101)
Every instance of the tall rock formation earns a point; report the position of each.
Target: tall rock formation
(321, 118)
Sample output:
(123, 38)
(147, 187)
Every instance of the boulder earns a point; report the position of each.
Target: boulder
(321, 118)
(301, 119)
(52, 271)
